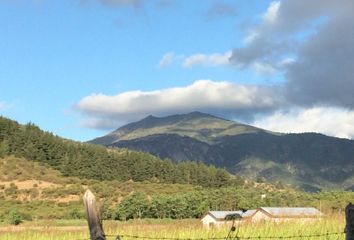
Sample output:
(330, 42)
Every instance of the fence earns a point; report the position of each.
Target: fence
(97, 233)
(317, 236)
(339, 235)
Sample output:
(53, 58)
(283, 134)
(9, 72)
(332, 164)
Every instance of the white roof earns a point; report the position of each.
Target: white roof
(273, 211)
(223, 214)
(292, 211)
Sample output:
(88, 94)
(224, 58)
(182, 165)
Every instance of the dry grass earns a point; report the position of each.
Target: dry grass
(183, 229)
(28, 184)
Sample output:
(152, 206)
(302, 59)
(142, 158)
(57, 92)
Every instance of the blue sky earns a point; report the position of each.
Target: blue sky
(82, 68)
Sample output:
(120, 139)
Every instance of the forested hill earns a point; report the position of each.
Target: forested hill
(97, 162)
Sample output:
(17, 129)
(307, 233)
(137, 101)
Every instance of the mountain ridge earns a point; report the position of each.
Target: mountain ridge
(311, 161)
(202, 126)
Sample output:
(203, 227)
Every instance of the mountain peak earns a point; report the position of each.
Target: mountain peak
(152, 121)
(194, 114)
(197, 114)
(148, 118)
(198, 125)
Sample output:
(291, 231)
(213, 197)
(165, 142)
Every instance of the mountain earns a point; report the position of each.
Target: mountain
(200, 126)
(310, 161)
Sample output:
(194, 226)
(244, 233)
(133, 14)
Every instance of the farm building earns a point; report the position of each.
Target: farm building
(286, 214)
(217, 218)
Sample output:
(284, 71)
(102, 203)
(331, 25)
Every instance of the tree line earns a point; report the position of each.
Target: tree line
(97, 162)
(197, 203)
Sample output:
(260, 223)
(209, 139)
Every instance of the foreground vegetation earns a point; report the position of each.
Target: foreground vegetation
(173, 229)
(30, 192)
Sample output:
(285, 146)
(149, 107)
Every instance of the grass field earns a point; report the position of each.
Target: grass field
(183, 229)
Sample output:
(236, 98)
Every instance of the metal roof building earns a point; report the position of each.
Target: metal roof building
(291, 211)
(275, 214)
(219, 218)
(224, 214)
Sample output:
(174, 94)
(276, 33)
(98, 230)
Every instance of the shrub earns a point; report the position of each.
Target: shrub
(11, 190)
(74, 213)
(14, 217)
(33, 193)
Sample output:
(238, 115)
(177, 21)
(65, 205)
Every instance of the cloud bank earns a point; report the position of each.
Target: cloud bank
(204, 95)
(318, 35)
(330, 121)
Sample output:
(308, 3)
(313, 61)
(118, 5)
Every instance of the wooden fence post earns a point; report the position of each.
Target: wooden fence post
(93, 218)
(349, 218)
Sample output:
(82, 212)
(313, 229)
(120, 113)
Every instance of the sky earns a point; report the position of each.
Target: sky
(82, 68)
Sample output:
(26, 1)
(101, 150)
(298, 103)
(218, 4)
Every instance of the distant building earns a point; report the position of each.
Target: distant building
(276, 214)
(219, 218)
(280, 214)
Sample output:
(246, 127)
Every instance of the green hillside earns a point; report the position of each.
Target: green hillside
(97, 162)
(38, 192)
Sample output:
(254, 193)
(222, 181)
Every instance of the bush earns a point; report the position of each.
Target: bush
(132, 207)
(74, 213)
(12, 190)
(14, 217)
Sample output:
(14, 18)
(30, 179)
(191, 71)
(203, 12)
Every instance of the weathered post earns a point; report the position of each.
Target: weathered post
(349, 218)
(93, 218)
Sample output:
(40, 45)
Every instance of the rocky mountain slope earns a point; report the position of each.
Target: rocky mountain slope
(310, 161)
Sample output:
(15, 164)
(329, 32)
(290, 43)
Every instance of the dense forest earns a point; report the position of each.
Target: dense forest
(96, 162)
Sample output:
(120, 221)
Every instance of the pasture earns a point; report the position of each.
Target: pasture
(174, 229)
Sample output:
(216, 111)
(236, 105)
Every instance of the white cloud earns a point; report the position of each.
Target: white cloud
(331, 121)
(105, 111)
(166, 60)
(264, 68)
(319, 71)
(215, 59)
(207, 60)
(272, 12)
(286, 61)
(251, 36)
